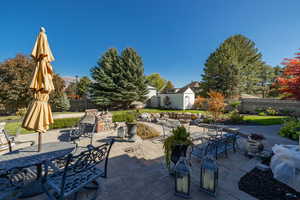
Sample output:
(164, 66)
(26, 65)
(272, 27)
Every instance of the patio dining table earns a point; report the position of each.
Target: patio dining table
(30, 156)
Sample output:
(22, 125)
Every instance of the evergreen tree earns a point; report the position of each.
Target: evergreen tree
(119, 80)
(233, 67)
(83, 86)
(62, 103)
(266, 78)
(274, 88)
(133, 64)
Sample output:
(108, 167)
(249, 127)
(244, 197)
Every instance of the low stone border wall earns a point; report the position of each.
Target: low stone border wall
(282, 106)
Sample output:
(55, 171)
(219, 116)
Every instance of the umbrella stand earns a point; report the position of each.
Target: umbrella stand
(39, 141)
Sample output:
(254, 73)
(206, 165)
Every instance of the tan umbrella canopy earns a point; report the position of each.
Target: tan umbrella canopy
(39, 115)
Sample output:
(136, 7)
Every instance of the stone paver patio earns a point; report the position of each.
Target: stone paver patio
(137, 170)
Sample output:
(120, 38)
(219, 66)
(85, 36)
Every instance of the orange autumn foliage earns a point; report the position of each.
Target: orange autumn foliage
(199, 102)
(290, 81)
(216, 104)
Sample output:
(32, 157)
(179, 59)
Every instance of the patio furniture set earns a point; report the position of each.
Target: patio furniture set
(207, 146)
(214, 140)
(59, 170)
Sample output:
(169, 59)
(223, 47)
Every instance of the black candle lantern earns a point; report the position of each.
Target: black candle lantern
(209, 176)
(182, 178)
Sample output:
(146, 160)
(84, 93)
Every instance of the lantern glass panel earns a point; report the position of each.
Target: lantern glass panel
(182, 178)
(182, 184)
(209, 176)
(208, 179)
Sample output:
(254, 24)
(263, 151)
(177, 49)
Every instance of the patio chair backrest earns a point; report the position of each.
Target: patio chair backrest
(85, 128)
(87, 159)
(5, 143)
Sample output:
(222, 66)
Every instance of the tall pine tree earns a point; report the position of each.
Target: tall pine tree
(232, 68)
(118, 80)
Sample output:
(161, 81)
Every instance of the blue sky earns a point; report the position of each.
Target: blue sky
(174, 37)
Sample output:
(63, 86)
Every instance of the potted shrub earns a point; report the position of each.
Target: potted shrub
(175, 146)
(254, 143)
(131, 126)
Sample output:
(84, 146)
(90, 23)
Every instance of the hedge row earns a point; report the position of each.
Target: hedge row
(64, 123)
(124, 117)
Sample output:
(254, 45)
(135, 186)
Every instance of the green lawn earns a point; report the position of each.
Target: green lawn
(150, 110)
(264, 120)
(11, 117)
(14, 117)
(12, 128)
(54, 113)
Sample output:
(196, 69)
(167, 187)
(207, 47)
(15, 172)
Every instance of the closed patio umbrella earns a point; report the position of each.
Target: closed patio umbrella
(39, 116)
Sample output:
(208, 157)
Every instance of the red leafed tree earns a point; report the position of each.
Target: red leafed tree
(290, 81)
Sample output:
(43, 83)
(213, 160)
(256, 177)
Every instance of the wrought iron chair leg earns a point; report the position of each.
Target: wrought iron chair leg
(234, 144)
(75, 195)
(94, 187)
(226, 153)
(46, 190)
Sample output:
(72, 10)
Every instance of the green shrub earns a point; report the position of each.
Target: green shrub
(271, 111)
(21, 112)
(125, 117)
(64, 123)
(236, 117)
(262, 114)
(258, 110)
(208, 119)
(146, 131)
(235, 104)
(290, 129)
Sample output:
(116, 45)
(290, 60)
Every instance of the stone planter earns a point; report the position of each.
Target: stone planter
(131, 130)
(254, 146)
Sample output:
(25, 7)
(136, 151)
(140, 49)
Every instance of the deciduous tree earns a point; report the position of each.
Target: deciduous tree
(199, 102)
(290, 81)
(15, 76)
(156, 81)
(216, 104)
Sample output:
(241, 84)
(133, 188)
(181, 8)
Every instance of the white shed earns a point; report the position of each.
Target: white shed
(151, 92)
(182, 99)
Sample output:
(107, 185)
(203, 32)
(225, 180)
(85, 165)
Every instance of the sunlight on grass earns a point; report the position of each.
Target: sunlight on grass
(11, 117)
(12, 128)
(150, 110)
(265, 120)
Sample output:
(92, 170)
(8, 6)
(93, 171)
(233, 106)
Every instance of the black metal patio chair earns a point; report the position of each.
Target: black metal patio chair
(75, 172)
(7, 141)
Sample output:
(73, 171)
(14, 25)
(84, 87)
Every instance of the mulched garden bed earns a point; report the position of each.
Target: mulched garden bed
(261, 185)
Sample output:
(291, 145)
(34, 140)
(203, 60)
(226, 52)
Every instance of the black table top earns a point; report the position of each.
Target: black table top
(30, 156)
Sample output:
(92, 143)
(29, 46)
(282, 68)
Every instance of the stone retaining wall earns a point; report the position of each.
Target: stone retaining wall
(282, 106)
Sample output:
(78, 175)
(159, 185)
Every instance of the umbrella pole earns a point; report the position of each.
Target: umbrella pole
(39, 141)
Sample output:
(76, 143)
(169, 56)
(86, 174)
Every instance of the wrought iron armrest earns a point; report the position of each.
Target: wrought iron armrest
(23, 142)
